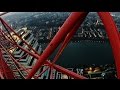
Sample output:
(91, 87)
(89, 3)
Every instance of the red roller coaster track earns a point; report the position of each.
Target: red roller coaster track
(63, 36)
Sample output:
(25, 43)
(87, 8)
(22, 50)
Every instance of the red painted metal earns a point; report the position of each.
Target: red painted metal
(65, 42)
(42, 72)
(113, 35)
(51, 72)
(9, 28)
(7, 73)
(5, 35)
(22, 57)
(68, 38)
(66, 71)
(27, 51)
(1, 68)
(64, 30)
(7, 31)
(1, 75)
(15, 62)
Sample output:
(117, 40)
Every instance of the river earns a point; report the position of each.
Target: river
(85, 52)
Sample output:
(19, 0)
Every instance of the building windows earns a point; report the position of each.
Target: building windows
(21, 43)
(27, 36)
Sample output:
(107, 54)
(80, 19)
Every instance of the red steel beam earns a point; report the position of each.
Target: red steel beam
(64, 30)
(17, 34)
(36, 56)
(5, 34)
(30, 53)
(21, 69)
(1, 67)
(63, 70)
(22, 57)
(7, 73)
(109, 25)
(113, 35)
(66, 71)
(14, 60)
(1, 75)
(68, 38)
(42, 72)
(8, 33)
(27, 52)
(51, 72)
(65, 43)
